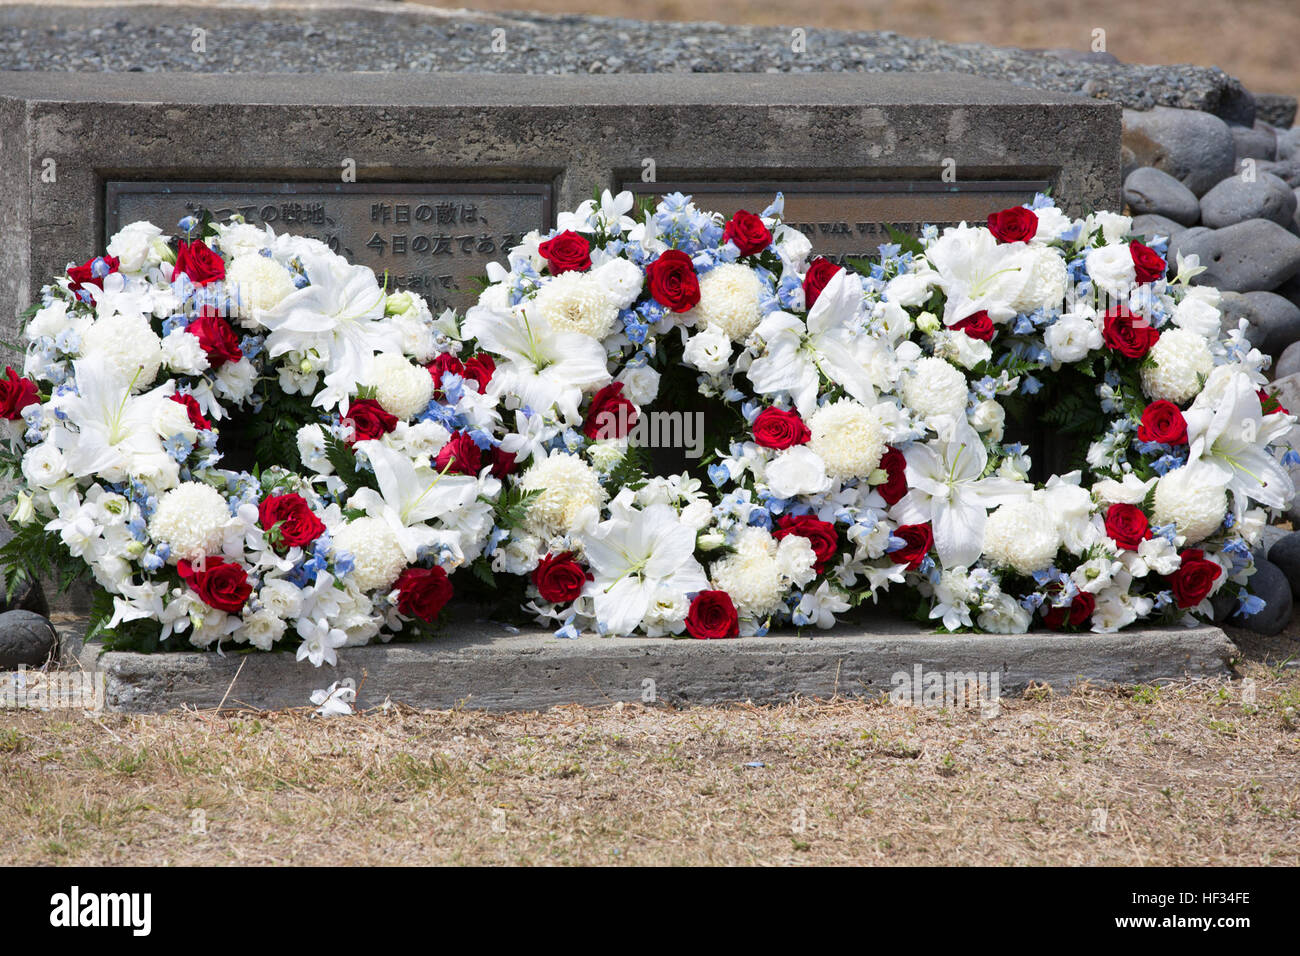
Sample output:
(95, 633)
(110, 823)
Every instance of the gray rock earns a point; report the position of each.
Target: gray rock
(1289, 363)
(30, 596)
(25, 638)
(1268, 582)
(1236, 200)
(1148, 190)
(1290, 289)
(1149, 225)
(1256, 255)
(1288, 143)
(1255, 142)
(1274, 321)
(1286, 170)
(1286, 555)
(1276, 109)
(1195, 148)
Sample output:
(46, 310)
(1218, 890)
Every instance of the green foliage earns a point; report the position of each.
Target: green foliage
(906, 241)
(345, 465)
(632, 470)
(31, 555)
(511, 508)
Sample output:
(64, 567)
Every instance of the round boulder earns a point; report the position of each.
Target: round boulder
(1268, 582)
(25, 638)
(1195, 148)
(1255, 255)
(1255, 142)
(1286, 555)
(1149, 225)
(1238, 199)
(1289, 363)
(1148, 190)
(1287, 170)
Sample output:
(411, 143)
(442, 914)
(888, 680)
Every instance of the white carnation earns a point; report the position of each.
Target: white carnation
(568, 486)
(128, 345)
(1180, 363)
(621, 279)
(182, 353)
(402, 388)
(1051, 223)
(172, 418)
(1111, 268)
(241, 239)
(934, 388)
(1004, 616)
(257, 282)
(376, 553)
(1193, 500)
(846, 435)
(709, 350)
(1114, 227)
(666, 613)
(1022, 535)
(1071, 337)
(261, 629)
(192, 520)
(729, 299)
(131, 245)
(1199, 311)
(640, 384)
(797, 471)
(988, 416)
(575, 302)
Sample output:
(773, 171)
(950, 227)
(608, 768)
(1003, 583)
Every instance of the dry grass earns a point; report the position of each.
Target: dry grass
(1254, 40)
(1186, 774)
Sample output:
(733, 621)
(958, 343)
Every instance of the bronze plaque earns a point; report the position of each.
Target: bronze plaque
(431, 238)
(847, 219)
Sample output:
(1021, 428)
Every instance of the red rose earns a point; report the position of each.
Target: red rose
(441, 365)
(16, 393)
(480, 368)
(460, 456)
(894, 465)
(297, 525)
(559, 578)
(369, 420)
(216, 338)
(712, 616)
(192, 408)
(1016, 224)
(779, 429)
(1130, 335)
(422, 592)
(610, 414)
(673, 281)
(1127, 526)
(819, 274)
(918, 538)
(503, 462)
(218, 583)
(821, 534)
(1194, 579)
(977, 325)
(1269, 404)
(1163, 422)
(566, 252)
(1146, 262)
(84, 274)
(201, 264)
(1079, 611)
(748, 232)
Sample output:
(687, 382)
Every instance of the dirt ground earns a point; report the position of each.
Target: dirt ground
(1254, 40)
(1197, 772)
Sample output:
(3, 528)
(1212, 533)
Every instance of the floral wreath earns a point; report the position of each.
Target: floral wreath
(378, 460)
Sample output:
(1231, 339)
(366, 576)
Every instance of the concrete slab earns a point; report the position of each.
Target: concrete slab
(482, 666)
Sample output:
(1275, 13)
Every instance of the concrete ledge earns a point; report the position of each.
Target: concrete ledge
(484, 667)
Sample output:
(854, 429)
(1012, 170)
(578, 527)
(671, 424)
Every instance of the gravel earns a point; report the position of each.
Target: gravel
(383, 36)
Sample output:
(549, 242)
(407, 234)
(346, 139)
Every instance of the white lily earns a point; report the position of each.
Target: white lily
(828, 343)
(115, 437)
(1228, 430)
(340, 313)
(945, 489)
(612, 215)
(409, 496)
(976, 273)
(632, 555)
(543, 367)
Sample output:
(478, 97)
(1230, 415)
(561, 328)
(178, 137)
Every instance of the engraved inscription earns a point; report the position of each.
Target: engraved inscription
(847, 219)
(430, 238)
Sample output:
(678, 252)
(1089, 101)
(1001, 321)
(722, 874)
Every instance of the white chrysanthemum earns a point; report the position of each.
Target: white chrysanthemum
(935, 387)
(751, 574)
(847, 436)
(1193, 500)
(1022, 535)
(402, 388)
(376, 553)
(191, 519)
(258, 281)
(1180, 362)
(1045, 277)
(729, 299)
(567, 485)
(128, 345)
(575, 302)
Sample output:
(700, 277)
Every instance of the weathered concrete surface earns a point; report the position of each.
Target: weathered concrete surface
(573, 132)
(484, 667)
